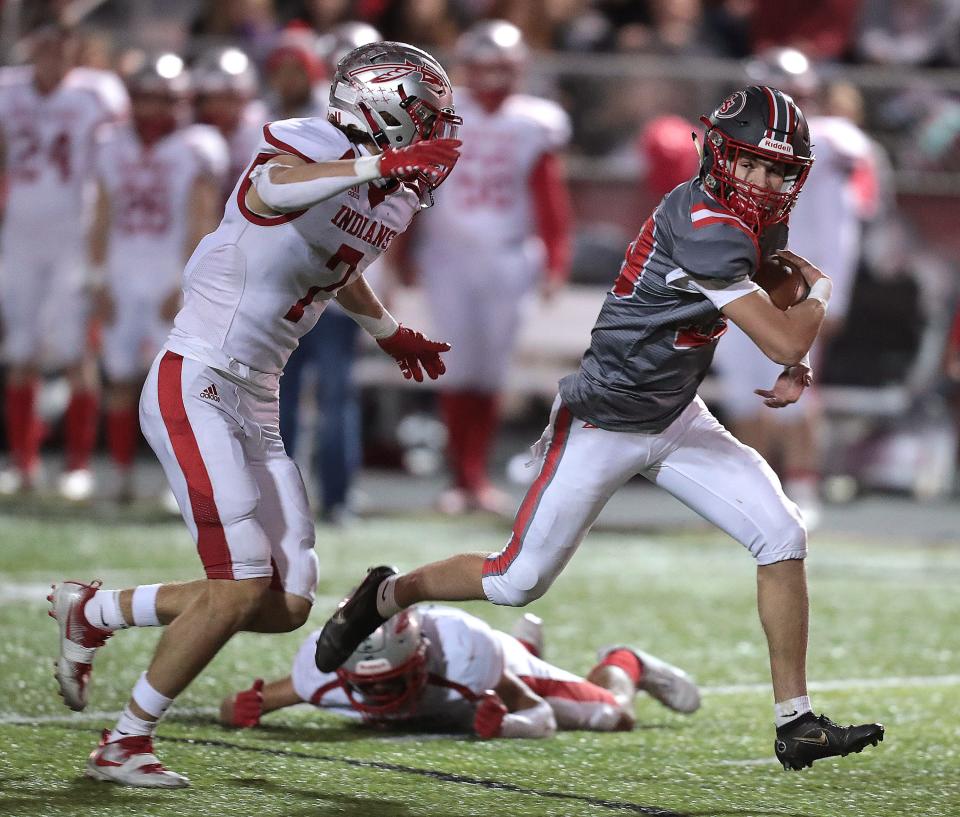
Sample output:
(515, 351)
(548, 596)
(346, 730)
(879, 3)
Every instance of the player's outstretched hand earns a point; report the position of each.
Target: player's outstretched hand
(244, 709)
(788, 388)
(488, 718)
(412, 350)
(430, 157)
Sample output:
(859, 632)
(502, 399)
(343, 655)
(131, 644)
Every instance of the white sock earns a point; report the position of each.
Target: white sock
(103, 610)
(129, 724)
(145, 605)
(148, 699)
(786, 711)
(387, 597)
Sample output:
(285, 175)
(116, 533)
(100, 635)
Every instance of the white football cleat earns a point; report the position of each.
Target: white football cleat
(670, 685)
(131, 762)
(529, 631)
(77, 485)
(79, 640)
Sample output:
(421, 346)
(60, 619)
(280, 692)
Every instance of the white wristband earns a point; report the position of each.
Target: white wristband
(377, 328)
(367, 168)
(821, 290)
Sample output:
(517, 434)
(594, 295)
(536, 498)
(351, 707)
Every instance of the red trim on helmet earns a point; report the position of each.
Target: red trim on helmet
(772, 118)
(414, 670)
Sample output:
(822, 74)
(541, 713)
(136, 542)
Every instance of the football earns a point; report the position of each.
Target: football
(782, 281)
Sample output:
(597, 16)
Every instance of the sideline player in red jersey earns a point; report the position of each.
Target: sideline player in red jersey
(445, 668)
(320, 201)
(633, 408)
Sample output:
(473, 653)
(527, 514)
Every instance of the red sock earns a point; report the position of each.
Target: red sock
(452, 405)
(23, 425)
(481, 408)
(81, 428)
(122, 435)
(627, 661)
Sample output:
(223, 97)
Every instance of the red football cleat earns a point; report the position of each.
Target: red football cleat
(79, 640)
(131, 762)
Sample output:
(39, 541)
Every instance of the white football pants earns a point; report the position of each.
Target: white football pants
(696, 459)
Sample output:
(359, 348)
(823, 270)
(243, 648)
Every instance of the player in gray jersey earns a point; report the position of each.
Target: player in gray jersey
(633, 408)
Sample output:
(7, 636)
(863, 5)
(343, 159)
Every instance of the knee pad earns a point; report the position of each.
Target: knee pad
(787, 540)
(514, 587)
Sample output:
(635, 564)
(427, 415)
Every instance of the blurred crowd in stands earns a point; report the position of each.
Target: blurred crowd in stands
(632, 75)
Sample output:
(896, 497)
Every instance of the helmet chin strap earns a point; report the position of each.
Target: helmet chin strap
(383, 142)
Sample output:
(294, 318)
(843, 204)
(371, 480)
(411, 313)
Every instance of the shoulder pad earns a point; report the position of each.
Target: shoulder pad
(314, 140)
(709, 240)
(547, 116)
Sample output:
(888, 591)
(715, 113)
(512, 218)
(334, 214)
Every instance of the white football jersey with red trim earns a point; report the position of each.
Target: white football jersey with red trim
(149, 190)
(462, 650)
(485, 207)
(258, 283)
(50, 140)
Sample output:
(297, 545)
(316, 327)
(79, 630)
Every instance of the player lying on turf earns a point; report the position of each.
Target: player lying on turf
(632, 408)
(441, 667)
(319, 202)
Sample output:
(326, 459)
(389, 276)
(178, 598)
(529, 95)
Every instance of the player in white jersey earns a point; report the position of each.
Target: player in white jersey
(825, 227)
(502, 232)
(443, 667)
(319, 201)
(50, 116)
(226, 86)
(159, 194)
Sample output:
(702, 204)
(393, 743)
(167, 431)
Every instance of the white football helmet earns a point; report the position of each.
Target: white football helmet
(492, 41)
(386, 673)
(343, 38)
(225, 71)
(395, 93)
(493, 55)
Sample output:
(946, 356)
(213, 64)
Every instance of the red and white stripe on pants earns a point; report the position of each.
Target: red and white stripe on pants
(241, 496)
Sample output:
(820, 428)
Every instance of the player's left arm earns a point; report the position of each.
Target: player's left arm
(413, 352)
(287, 183)
(553, 213)
(513, 710)
(203, 214)
(97, 245)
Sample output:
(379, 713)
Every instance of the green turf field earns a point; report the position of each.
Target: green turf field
(884, 645)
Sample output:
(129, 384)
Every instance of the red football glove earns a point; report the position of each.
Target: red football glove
(431, 158)
(411, 350)
(488, 718)
(248, 706)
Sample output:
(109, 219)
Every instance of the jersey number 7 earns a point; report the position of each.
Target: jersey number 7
(344, 255)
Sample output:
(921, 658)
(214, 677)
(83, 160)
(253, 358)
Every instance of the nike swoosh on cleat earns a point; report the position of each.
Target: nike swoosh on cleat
(819, 741)
(101, 762)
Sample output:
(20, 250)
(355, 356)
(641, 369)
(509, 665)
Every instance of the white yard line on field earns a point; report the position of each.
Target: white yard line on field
(846, 683)
(15, 718)
(11, 592)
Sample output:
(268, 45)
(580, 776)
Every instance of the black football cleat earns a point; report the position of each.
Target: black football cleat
(354, 620)
(811, 737)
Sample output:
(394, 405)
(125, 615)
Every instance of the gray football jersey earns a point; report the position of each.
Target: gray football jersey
(655, 336)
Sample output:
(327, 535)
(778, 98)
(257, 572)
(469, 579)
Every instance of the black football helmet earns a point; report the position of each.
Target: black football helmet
(765, 122)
